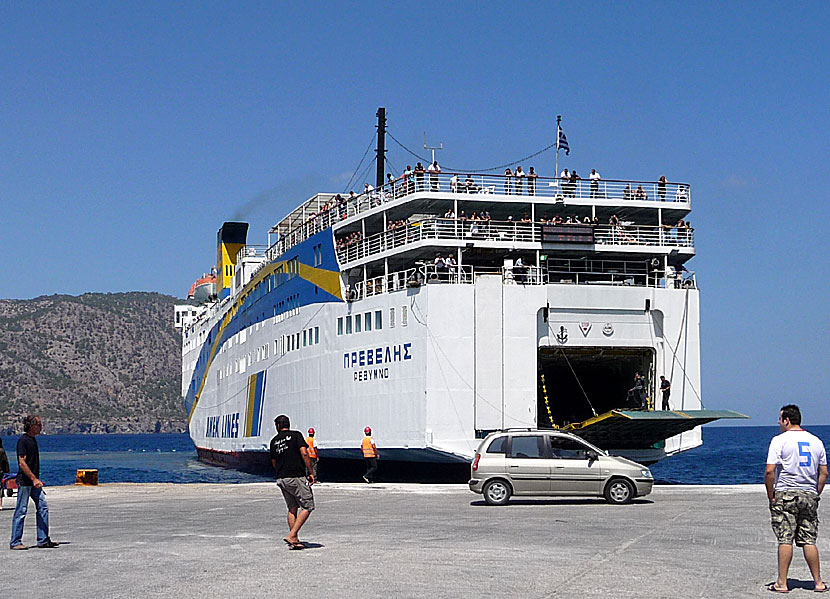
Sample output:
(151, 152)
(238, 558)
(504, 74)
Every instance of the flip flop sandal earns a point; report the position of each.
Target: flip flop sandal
(296, 546)
(771, 587)
(824, 590)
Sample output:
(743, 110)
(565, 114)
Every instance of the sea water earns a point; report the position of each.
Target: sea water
(729, 455)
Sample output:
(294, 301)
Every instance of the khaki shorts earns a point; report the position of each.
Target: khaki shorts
(297, 493)
(794, 516)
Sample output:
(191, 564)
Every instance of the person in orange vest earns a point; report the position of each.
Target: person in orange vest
(312, 451)
(370, 455)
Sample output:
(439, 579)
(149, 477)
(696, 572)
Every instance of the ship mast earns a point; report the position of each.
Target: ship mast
(381, 149)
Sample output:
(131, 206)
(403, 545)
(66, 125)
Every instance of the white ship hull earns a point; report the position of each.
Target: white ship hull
(465, 360)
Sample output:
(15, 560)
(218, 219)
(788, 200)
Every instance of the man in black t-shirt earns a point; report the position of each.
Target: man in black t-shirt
(30, 485)
(289, 456)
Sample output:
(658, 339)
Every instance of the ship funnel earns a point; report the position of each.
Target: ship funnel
(229, 240)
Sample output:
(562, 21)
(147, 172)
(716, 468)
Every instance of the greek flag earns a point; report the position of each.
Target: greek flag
(563, 143)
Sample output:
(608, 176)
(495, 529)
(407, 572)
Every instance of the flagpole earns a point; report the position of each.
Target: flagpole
(558, 121)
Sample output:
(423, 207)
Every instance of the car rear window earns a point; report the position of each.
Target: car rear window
(567, 449)
(498, 445)
(525, 447)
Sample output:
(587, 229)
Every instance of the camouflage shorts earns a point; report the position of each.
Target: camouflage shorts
(794, 516)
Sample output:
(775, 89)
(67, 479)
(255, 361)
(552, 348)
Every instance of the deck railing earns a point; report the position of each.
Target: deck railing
(478, 188)
(575, 272)
(462, 230)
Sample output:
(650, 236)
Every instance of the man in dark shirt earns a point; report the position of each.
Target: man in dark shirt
(639, 392)
(30, 485)
(665, 387)
(289, 456)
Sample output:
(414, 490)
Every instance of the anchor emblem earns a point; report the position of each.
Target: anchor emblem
(562, 335)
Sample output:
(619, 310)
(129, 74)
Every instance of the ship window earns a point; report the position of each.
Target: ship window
(357, 323)
(378, 320)
(276, 347)
(305, 338)
(340, 326)
(391, 318)
(404, 319)
(298, 341)
(349, 325)
(367, 320)
(316, 335)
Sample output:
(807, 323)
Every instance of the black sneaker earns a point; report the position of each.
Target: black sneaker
(48, 545)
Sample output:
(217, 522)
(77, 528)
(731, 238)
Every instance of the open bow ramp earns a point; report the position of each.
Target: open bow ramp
(630, 429)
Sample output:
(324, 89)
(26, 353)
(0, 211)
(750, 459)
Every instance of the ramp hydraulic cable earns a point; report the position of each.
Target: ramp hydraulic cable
(578, 382)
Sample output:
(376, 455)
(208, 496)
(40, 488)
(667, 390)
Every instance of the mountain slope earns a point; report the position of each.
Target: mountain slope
(92, 363)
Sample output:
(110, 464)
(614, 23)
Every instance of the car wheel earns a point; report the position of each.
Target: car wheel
(497, 492)
(619, 491)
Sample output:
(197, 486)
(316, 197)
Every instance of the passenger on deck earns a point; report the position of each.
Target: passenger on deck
(451, 265)
(520, 271)
(390, 185)
(434, 170)
(661, 188)
(627, 195)
(508, 182)
(531, 181)
(408, 181)
(454, 183)
(440, 266)
(470, 185)
(419, 176)
(640, 194)
(682, 194)
(575, 178)
(565, 177)
(595, 178)
(520, 176)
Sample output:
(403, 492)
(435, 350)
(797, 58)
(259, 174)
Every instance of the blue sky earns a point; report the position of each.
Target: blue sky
(130, 131)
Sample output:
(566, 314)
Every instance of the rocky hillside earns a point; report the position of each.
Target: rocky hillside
(97, 363)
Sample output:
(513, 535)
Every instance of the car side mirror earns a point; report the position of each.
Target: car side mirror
(592, 455)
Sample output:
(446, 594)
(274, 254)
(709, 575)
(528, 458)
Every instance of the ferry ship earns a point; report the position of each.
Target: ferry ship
(439, 307)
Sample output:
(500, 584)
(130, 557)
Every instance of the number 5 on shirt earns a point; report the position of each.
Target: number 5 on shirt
(804, 451)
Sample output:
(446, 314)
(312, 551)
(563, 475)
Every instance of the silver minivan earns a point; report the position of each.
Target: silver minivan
(549, 462)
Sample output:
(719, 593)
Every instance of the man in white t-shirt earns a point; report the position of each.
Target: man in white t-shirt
(434, 170)
(595, 179)
(795, 476)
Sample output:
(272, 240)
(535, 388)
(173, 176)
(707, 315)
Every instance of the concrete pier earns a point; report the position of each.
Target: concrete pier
(195, 541)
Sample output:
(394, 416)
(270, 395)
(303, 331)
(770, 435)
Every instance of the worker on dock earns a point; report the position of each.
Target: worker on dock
(370, 455)
(312, 451)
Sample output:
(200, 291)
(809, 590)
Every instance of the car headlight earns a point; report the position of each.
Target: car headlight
(646, 473)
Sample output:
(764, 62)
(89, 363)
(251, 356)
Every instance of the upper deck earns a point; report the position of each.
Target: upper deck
(626, 216)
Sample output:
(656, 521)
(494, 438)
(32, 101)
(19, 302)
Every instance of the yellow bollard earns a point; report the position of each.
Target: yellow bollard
(86, 477)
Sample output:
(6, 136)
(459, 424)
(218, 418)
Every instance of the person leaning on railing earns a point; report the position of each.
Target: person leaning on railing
(531, 181)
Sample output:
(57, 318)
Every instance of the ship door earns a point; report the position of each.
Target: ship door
(575, 383)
